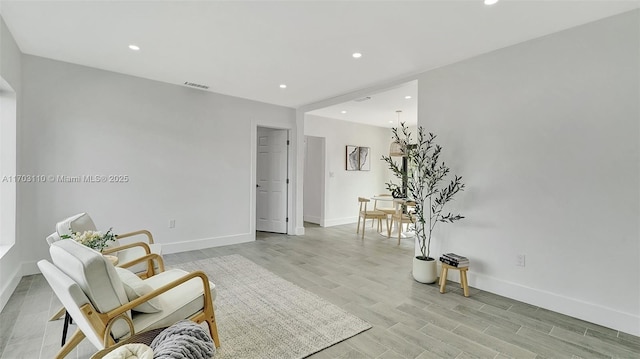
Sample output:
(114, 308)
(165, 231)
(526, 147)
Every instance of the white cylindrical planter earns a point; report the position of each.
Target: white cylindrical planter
(425, 271)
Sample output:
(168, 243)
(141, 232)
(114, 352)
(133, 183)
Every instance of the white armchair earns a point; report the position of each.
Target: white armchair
(95, 293)
(126, 252)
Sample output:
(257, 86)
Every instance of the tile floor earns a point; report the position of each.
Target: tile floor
(370, 278)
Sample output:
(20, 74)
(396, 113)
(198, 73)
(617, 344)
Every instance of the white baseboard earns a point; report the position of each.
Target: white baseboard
(196, 244)
(312, 219)
(339, 221)
(29, 268)
(577, 308)
(9, 287)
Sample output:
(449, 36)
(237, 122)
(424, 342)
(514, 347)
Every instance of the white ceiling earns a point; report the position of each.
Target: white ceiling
(247, 49)
(378, 108)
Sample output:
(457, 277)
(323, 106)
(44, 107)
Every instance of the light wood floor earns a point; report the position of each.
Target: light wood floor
(370, 278)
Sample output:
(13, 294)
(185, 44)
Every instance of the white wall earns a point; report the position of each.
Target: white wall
(343, 187)
(314, 180)
(546, 135)
(187, 153)
(10, 71)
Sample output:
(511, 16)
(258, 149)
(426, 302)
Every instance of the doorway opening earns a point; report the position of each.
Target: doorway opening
(314, 181)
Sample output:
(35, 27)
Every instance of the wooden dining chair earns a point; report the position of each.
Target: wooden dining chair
(401, 216)
(373, 214)
(379, 207)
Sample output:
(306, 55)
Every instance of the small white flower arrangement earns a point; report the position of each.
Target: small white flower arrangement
(92, 239)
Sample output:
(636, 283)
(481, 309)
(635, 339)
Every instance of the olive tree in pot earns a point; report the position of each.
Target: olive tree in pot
(425, 186)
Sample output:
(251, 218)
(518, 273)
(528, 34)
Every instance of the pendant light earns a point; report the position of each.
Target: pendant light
(395, 149)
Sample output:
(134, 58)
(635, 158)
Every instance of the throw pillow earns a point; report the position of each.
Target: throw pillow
(136, 287)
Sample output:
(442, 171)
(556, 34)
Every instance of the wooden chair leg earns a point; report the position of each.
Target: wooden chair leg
(65, 327)
(358, 228)
(389, 226)
(213, 327)
(58, 314)
(76, 338)
(213, 330)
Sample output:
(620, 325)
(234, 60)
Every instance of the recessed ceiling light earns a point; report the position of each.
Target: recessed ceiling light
(490, 2)
(134, 47)
(283, 86)
(356, 55)
(343, 111)
(407, 97)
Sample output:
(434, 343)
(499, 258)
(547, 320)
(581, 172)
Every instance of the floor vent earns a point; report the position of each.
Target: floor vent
(192, 84)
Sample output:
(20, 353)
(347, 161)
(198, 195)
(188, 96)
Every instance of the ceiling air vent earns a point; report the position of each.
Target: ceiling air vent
(362, 99)
(192, 84)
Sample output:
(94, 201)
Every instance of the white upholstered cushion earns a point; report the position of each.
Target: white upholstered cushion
(177, 304)
(53, 237)
(95, 274)
(136, 287)
(78, 223)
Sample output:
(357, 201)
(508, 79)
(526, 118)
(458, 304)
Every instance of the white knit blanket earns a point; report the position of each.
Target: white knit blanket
(183, 340)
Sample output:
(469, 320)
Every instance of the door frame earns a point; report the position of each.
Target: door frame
(323, 169)
(254, 169)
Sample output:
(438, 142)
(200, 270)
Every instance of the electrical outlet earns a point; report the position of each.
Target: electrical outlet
(172, 223)
(520, 260)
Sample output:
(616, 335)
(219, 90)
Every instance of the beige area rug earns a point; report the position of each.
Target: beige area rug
(261, 315)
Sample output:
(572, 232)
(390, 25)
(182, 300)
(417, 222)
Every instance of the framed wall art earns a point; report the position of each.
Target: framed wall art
(358, 158)
(353, 158)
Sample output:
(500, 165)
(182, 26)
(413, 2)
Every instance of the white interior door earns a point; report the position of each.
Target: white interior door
(271, 181)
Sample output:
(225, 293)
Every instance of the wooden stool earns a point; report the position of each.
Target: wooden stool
(464, 284)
